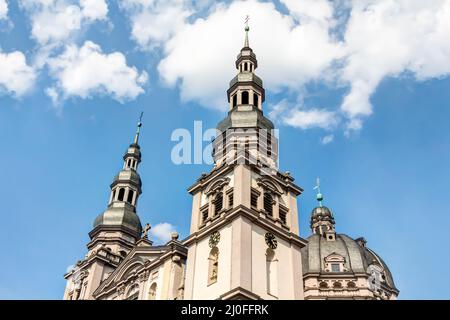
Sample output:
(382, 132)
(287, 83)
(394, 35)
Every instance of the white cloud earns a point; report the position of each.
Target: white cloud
(200, 56)
(327, 139)
(311, 118)
(162, 232)
(154, 21)
(380, 38)
(54, 21)
(94, 9)
(298, 117)
(388, 38)
(16, 76)
(86, 71)
(3, 9)
(306, 42)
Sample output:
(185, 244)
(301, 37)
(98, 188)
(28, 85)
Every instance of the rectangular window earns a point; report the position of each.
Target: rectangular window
(218, 204)
(335, 267)
(268, 204)
(254, 200)
(283, 216)
(230, 200)
(204, 215)
(224, 143)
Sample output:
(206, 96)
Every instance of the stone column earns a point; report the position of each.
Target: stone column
(241, 264)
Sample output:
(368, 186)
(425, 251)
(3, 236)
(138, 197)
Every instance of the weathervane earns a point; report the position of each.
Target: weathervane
(138, 130)
(319, 195)
(247, 28)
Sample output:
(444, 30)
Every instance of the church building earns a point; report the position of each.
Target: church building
(244, 238)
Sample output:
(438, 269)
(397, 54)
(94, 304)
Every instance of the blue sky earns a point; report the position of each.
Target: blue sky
(358, 90)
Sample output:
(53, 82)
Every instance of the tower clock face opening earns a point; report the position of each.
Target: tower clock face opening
(271, 241)
(214, 239)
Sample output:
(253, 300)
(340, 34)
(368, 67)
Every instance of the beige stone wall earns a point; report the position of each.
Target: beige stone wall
(197, 268)
(288, 261)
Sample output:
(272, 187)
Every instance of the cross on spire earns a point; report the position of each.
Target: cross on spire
(247, 28)
(146, 230)
(319, 195)
(138, 130)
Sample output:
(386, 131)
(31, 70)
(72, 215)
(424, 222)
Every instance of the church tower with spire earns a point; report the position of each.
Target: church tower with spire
(244, 238)
(244, 241)
(115, 231)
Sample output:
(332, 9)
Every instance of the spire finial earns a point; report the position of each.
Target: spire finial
(319, 195)
(138, 130)
(247, 28)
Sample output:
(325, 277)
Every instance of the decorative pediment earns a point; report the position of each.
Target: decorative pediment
(266, 183)
(129, 268)
(334, 257)
(334, 262)
(217, 185)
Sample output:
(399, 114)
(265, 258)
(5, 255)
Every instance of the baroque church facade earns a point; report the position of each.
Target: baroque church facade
(244, 238)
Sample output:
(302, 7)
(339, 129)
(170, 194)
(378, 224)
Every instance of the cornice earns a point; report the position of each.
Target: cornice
(254, 217)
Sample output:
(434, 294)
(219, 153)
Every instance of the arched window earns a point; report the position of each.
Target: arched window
(152, 291)
(213, 269)
(272, 272)
(130, 196)
(121, 194)
(245, 66)
(255, 100)
(235, 100)
(244, 97)
(268, 204)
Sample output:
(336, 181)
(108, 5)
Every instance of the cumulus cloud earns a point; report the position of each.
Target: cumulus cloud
(306, 42)
(16, 76)
(161, 232)
(154, 21)
(311, 118)
(299, 117)
(388, 38)
(86, 71)
(309, 42)
(200, 55)
(3, 9)
(54, 21)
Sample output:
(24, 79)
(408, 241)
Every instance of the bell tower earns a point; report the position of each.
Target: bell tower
(244, 240)
(115, 231)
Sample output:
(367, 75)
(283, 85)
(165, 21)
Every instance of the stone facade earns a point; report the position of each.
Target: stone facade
(244, 238)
